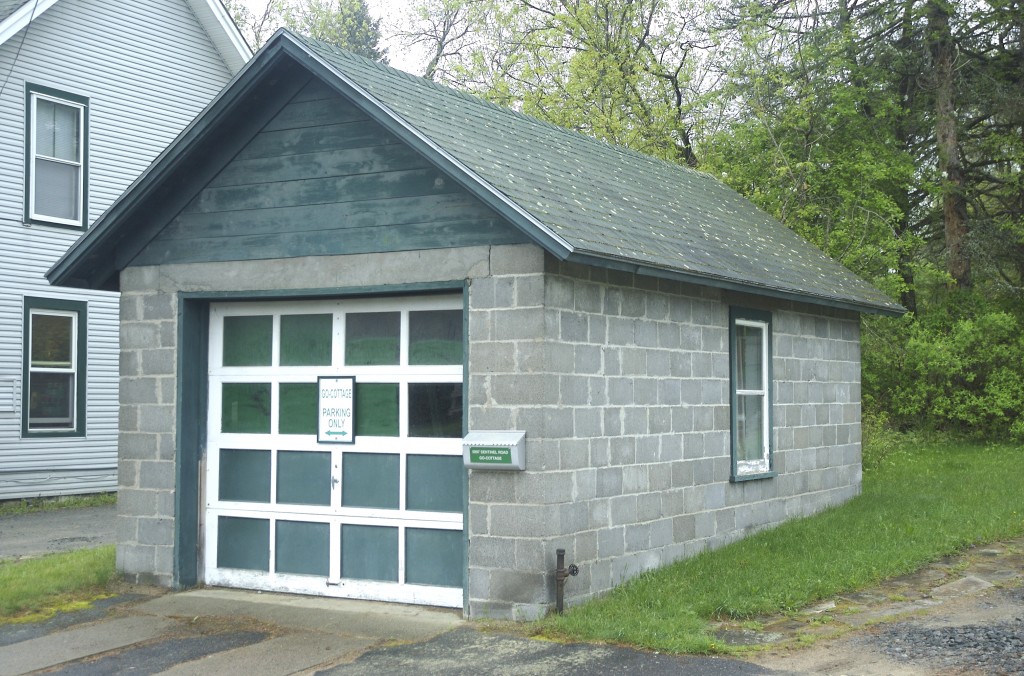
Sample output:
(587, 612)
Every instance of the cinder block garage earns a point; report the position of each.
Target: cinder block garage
(342, 283)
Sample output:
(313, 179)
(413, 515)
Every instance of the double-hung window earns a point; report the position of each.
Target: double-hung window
(56, 157)
(54, 365)
(750, 340)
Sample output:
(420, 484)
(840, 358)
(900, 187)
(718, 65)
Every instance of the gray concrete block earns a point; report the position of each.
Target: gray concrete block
(158, 531)
(158, 361)
(157, 475)
(156, 418)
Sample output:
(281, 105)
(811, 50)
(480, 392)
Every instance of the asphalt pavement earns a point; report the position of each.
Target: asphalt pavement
(226, 631)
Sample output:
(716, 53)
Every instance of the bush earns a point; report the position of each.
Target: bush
(955, 369)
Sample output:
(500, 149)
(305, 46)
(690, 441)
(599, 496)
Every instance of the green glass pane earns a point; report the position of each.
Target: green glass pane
(377, 409)
(52, 338)
(248, 341)
(304, 478)
(369, 553)
(749, 358)
(51, 401)
(306, 340)
(372, 338)
(435, 410)
(243, 543)
(297, 408)
(435, 337)
(245, 408)
(750, 427)
(434, 483)
(369, 480)
(434, 557)
(244, 475)
(303, 548)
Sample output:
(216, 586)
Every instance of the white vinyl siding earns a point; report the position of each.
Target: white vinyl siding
(147, 69)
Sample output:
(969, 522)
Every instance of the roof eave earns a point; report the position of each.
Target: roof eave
(728, 284)
(21, 17)
(223, 32)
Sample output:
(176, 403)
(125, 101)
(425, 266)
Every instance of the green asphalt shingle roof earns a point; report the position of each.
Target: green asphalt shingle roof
(580, 198)
(610, 203)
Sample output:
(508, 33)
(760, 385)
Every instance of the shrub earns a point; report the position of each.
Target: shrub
(956, 369)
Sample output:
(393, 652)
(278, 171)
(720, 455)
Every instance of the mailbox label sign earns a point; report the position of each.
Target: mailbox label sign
(336, 409)
(490, 455)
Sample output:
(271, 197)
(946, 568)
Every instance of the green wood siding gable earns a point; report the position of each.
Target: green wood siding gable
(321, 178)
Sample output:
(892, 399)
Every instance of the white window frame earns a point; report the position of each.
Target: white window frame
(53, 308)
(34, 97)
(763, 466)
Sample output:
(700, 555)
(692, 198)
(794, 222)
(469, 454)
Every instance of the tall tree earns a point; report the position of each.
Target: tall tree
(344, 23)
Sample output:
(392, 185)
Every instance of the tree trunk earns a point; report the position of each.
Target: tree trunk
(954, 206)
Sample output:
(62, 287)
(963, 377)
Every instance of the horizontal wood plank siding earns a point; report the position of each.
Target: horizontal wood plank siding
(323, 179)
(147, 69)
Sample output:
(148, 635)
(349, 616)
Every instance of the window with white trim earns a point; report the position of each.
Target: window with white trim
(750, 339)
(54, 390)
(56, 157)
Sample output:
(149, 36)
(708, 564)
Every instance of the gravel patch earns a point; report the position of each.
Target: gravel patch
(996, 648)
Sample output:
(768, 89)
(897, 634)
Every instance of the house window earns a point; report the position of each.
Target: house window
(55, 359)
(56, 157)
(750, 340)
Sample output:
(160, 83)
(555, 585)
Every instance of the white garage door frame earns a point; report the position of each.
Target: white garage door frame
(333, 518)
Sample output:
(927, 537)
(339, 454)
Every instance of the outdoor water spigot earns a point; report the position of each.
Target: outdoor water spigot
(561, 575)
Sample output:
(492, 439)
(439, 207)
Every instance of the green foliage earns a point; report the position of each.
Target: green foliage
(343, 23)
(956, 367)
(921, 501)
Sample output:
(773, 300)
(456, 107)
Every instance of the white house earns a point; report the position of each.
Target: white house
(91, 91)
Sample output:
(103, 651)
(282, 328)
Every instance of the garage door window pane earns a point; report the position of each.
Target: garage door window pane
(434, 557)
(297, 408)
(434, 483)
(243, 543)
(370, 480)
(248, 341)
(306, 340)
(244, 475)
(302, 548)
(435, 410)
(376, 409)
(304, 478)
(245, 408)
(369, 553)
(372, 338)
(435, 337)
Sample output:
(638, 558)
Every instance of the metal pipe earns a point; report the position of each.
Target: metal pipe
(561, 574)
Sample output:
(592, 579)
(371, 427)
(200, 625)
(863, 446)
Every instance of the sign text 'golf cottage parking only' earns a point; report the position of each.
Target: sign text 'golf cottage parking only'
(336, 410)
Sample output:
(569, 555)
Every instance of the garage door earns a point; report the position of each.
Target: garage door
(378, 516)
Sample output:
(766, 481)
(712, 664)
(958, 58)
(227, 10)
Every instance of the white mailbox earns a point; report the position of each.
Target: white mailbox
(494, 450)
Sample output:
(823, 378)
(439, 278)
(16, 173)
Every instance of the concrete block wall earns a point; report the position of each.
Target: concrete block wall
(147, 429)
(622, 384)
(620, 381)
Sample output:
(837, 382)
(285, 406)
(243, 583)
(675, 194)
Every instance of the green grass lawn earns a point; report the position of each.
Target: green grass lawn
(921, 500)
(35, 589)
(15, 507)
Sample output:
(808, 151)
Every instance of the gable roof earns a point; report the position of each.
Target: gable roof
(214, 18)
(581, 199)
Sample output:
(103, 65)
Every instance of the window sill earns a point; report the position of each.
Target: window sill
(736, 478)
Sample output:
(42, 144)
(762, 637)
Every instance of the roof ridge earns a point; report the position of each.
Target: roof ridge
(468, 95)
